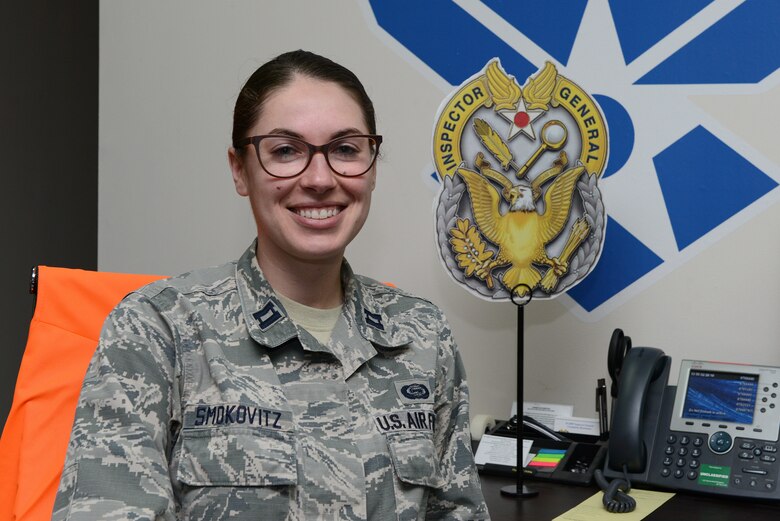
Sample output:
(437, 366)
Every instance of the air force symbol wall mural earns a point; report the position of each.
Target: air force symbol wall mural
(519, 210)
(661, 77)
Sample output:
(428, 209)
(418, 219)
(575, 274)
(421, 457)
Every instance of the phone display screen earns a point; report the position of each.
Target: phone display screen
(720, 396)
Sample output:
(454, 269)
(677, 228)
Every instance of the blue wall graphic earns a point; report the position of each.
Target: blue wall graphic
(693, 170)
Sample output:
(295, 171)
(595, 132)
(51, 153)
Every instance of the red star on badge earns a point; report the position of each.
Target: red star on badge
(521, 119)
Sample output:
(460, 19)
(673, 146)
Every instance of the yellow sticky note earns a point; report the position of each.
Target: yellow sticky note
(593, 509)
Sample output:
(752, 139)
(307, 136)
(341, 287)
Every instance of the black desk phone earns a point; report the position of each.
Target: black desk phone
(716, 432)
(555, 457)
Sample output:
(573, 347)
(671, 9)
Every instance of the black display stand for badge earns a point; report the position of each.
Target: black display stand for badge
(519, 490)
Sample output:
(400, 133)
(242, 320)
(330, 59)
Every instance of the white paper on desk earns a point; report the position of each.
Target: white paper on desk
(577, 425)
(545, 413)
(500, 450)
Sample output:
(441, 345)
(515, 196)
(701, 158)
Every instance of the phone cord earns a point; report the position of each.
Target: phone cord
(616, 498)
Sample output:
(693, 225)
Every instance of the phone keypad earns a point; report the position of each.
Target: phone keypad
(754, 464)
(682, 460)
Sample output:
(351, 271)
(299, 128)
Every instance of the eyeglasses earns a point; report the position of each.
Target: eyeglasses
(286, 156)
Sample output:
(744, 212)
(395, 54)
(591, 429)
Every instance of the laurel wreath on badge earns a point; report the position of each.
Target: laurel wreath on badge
(503, 226)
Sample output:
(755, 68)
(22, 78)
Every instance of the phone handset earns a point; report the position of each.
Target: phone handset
(627, 449)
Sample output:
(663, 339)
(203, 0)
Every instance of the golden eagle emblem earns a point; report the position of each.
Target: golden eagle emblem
(523, 231)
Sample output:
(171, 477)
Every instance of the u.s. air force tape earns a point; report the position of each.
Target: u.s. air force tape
(409, 420)
(232, 414)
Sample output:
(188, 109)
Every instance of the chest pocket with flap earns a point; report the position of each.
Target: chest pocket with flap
(414, 458)
(237, 456)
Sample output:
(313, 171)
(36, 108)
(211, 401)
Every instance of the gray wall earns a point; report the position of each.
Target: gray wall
(49, 122)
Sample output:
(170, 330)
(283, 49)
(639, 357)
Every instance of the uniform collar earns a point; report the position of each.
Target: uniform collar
(269, 324)
(264, 314)
(367, 303)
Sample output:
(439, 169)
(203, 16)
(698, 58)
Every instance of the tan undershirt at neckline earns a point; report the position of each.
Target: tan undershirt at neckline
(318, 322)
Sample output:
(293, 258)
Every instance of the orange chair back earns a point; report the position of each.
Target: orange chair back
(69, 314)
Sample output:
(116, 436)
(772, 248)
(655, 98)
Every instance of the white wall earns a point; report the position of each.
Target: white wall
(169, 74)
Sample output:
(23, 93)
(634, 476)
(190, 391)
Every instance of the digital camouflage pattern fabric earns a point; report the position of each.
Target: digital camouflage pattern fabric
(205, 402)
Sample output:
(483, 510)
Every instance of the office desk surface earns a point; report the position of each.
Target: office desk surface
(555, 499)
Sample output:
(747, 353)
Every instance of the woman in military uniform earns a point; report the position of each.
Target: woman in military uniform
(280, 385)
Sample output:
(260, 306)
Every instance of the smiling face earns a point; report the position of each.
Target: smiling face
(314, 216)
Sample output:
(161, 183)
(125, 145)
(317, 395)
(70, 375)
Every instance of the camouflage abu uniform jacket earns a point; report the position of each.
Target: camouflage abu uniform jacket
(205, 402)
